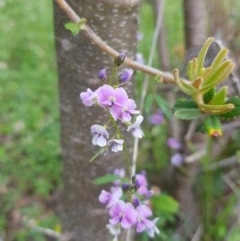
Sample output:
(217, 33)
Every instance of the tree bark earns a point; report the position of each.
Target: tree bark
(78, 64)
(195, 22)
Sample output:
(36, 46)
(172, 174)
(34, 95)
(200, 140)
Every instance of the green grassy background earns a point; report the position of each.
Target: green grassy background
(29, 116)
(30, 165)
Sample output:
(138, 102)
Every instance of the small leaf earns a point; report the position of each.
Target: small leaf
(192, 69)
(108, 178)
(182, 84)
(184, 103)
(165, 204)
(208, 96)
(75, 27)
(216, 109)
(202, 53)
(217, 75)
(219, 58)
(233, 113)
(187, 114)
(189, 70)
(219, 97)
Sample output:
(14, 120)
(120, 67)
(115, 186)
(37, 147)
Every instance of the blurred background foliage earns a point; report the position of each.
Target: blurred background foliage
(30, 165)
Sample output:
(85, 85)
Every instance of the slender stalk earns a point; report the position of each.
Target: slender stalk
(146, 82)
(143, 95)
(125, 152)
(166, 77)
(208, 190)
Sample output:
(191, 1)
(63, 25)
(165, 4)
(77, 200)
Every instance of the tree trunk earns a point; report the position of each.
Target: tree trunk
(195, 22)
(78, 64)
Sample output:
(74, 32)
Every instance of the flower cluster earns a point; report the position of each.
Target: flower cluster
(127, 206)
(114, 100)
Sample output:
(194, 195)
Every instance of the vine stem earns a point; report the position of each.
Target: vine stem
(144, 93)
(165, 77)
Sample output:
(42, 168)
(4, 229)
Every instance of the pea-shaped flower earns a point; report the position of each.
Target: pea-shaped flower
(100, 135)
(116, 145)
(135, 128)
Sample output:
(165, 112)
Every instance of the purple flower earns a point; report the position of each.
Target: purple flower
(153, 228)
(141, 179)
(125, 75)
(135, 127)
(143, 190)
(143, 212)
(108, 96)
(135, 200)
(123, 213)
(116, 145)
(173, 143)
(88, 97)
(100, 135)
(157, 118)
(102, 74)
(176, 159)
(127, 110)
(110, 198)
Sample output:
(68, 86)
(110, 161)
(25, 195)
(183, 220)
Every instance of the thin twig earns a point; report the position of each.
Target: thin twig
(146, 82)
(195, 156)
(46, 231)
(165, 77)
(144, 92)
(197, 236)
(223, 163)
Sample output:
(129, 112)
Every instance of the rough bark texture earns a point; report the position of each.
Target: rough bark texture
(78, 64)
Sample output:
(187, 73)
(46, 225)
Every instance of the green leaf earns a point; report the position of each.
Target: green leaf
(209, 95)
(219, 58)
(233, 113)
(184, 103)
(108, 178)
(75, 27)
(165, 204)
(192, 69)
(219, 97)
(217, 75)
(187, 114)
(164, 106)
(202, 53)
(182, 84)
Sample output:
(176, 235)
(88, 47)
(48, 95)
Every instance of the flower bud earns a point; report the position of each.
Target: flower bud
(120, 59)
(125, 75)
(102, 74)
(125, 187)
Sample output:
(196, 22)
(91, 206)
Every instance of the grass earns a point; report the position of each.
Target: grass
(29, 131)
